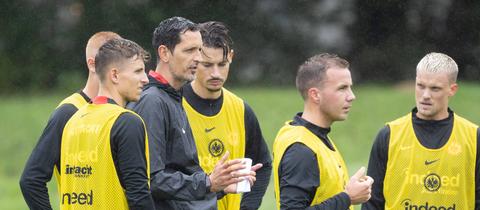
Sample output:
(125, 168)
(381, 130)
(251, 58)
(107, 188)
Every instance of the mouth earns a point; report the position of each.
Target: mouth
(425, 104)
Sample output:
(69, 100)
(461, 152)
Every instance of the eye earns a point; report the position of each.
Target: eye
(207, 65)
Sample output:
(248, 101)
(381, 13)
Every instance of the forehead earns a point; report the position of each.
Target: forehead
(190, 38)
(212, 55)
(429, 78)
(134, 62)
(336, 74)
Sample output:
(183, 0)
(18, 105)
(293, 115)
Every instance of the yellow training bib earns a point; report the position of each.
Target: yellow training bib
(421, 178)
(214, 135)
(333, 171)
(89, 178)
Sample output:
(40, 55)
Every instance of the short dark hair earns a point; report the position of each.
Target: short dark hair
(168, 32)
(215, 35)
(312, 72)
(116, 50)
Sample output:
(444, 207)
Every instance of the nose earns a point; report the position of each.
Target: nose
(215, 73)
(426, 94)
(351, 96)
(197, 55)
(144, 79)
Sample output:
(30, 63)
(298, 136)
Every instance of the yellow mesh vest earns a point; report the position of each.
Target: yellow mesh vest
(78, 101)
(421, 178)
(333, 171)
(89, 178)
(216, 134)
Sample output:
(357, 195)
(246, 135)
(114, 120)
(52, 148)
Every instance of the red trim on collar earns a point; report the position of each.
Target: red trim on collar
(100, 100)
(158, 77)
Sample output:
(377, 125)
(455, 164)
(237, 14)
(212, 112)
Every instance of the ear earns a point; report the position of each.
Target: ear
(313, 95)
(91, 65)
(164, 53)
(230, 56)
(453, 89)
(114, 75)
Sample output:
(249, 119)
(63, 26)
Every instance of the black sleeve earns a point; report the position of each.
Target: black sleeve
(167, 183)
(477, 177)
(298, 175)
(128, 152)
(377, 166)
(44, 158)
(257, 150)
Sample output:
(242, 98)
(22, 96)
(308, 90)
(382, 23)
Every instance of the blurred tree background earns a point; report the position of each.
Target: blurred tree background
(42, 42)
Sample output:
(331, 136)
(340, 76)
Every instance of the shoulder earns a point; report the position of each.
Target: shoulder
(64, 111)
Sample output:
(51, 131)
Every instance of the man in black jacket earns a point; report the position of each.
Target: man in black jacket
(177, 180)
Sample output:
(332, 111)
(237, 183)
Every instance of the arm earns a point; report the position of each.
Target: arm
(257, 150)
(128, 152)
(377, 165)
(167, 183)
(44, 158)
(297, 190)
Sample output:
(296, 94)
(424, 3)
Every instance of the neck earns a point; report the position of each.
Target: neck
(312, 114)
(111, 93)
(91, 87)
(205, 93)
(164, 70)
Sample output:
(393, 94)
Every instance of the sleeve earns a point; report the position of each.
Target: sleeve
(167, 183)
(128, 151)
(477, 176)
(377, 166)
(44, 158)
(256, 149)
(297, 190)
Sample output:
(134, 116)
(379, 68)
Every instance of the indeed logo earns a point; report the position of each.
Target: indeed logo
(77, 198)
(407, 203)
(82, 156)
(78, 171)
(451, 181)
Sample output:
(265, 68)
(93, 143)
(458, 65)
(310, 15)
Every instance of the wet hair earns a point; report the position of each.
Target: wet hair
(117, 50)
(215, 35)
(168, 32)
(312, 72)
(439, 63)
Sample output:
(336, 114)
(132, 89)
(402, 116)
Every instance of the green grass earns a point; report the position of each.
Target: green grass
(23, 119)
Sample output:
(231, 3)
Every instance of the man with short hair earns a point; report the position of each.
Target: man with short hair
(221, 121)
(104, 152)
(427, 159)
(45, 157)
(309, 171)
(177, 180)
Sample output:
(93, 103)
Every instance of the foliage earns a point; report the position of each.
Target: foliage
(42, 42)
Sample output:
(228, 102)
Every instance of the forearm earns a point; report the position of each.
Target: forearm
(169, 184)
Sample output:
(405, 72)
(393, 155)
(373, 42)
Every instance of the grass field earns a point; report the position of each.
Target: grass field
(23, 118)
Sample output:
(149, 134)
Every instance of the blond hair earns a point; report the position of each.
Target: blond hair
(439, 63)
(97, 40)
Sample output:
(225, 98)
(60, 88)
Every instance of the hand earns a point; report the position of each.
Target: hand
(251, 178)
(226, 173)
(359, 187)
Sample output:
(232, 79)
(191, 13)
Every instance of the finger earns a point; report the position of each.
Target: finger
(256, 167)
(359, 174)
(224, 158)
(251, 180)
(368, 180)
